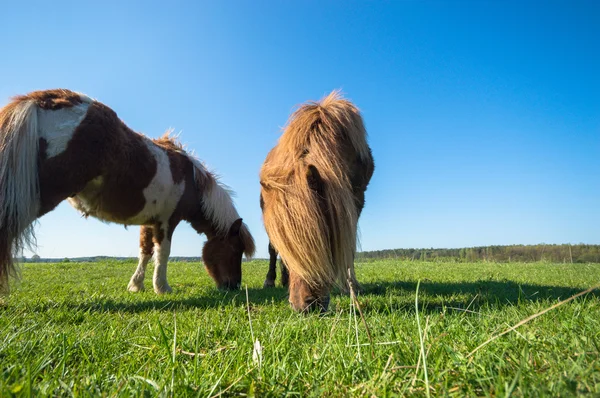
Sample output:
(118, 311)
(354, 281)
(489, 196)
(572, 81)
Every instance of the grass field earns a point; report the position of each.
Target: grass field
(73, 329)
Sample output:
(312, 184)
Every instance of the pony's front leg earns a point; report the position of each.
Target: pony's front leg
(136, 283)
(162, 248)
(285, 275)
(272, 273)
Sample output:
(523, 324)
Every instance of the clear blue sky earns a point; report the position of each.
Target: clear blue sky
(484, 116)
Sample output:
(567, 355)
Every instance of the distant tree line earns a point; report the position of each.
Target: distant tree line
(512, 253)
(92, 259)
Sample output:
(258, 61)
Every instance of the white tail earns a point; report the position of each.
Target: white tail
(19, 186)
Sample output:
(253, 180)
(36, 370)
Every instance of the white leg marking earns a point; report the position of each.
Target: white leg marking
(161, 257)
(136, 283)
(57, 126)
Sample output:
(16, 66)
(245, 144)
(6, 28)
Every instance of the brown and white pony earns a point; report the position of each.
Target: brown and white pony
(59, 144)
(313, 185)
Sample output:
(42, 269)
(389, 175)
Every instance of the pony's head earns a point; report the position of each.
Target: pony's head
(228, 237)
(222, 255)
(306, 298)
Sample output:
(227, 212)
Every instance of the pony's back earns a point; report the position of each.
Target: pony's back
(310, 211)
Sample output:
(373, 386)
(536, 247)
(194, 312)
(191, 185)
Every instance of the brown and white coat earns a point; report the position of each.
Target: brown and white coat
(59, 144)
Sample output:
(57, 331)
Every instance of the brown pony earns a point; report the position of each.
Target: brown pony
(312, 193)
(59, 144)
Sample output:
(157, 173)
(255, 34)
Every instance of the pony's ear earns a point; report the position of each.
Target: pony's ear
(315, 182)
(234, 230)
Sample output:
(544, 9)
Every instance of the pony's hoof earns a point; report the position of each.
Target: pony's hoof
(132, 287)
(269, 283)
(163, 289)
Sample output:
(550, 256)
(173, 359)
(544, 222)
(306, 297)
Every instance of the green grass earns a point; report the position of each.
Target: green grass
(73, 329)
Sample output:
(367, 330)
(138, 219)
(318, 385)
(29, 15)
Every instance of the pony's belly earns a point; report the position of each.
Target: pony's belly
(95, 201)
(90, 207)
(156, 203)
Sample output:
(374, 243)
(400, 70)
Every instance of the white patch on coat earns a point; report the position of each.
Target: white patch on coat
(161, 195)
(87, 201)
(57, 126)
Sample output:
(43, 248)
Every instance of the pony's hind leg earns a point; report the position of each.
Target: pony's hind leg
(6, 258)
(136, 283)
(272, 273)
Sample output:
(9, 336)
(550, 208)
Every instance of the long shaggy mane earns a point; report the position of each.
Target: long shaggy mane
(315, 236)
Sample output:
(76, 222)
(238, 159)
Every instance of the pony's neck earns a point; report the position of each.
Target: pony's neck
(217, 206)
(203, 226)
(217, 212)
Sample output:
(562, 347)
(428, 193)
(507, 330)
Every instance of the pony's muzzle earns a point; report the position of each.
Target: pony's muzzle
(312, 305)
(230, 285)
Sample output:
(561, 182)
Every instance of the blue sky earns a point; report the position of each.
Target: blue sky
(484, 117)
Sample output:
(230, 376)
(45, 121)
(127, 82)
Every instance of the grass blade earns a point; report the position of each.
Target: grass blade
(421, 339)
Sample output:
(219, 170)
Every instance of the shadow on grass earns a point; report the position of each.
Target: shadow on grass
(152, 302)
(459, 296)
(378, 297)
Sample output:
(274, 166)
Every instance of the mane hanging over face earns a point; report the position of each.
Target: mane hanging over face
(312, 190)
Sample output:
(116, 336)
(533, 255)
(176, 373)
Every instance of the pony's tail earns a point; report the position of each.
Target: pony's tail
(19, 186)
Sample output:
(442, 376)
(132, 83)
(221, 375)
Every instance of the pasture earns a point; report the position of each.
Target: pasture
(73, 329)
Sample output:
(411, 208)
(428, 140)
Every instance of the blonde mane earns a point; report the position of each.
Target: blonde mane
(315, 236)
